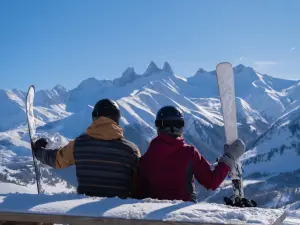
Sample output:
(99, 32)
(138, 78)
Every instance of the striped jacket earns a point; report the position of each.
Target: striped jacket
(106, 163)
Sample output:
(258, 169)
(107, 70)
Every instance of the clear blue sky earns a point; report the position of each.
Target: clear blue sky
(65, 41)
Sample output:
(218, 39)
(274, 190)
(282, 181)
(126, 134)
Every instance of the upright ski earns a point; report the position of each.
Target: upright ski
(225, 80)
(32, 131)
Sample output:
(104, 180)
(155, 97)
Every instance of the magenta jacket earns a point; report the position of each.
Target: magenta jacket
(168, 168)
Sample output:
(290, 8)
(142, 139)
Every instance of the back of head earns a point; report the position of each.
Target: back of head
(169, 119)
(107, 108)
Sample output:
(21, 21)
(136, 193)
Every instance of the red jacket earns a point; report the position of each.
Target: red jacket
(168, 168)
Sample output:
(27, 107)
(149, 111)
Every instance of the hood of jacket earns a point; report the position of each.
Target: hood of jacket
(164, 146)
(105, 129)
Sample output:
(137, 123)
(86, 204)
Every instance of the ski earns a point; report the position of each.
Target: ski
(225, 79)
(32, 131)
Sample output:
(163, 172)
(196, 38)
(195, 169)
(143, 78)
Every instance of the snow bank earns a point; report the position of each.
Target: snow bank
(293, 214)
(147, 209)
(293, 218)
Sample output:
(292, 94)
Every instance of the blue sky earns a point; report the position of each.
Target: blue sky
(65, 41)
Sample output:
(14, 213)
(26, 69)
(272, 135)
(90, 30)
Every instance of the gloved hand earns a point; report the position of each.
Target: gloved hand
(233, 152)
(40, 143)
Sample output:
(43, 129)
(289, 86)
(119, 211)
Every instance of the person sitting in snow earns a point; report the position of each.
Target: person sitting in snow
(106, 163)
(169, 166)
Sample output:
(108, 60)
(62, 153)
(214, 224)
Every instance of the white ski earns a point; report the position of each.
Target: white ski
(225, 80)
(32, 130)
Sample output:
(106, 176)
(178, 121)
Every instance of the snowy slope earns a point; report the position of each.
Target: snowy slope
(12, 113)
(293, 93)
(206, 84)
(50, 107)
(293, 214)
(253, 88)
(279, 144)
(251, 123)
(278, 84)
(56, 96)
(245, 111)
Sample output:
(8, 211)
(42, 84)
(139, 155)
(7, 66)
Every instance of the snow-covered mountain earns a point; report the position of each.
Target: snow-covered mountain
(50, 106)
(262, 92)
(250, 123)
(56, 96)
(266, 109)
(280, 144)
(12, 112)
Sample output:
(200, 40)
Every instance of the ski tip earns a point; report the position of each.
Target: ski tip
(31, 86)
(223, 63)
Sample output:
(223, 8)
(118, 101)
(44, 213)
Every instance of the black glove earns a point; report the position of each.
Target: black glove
(40, 143)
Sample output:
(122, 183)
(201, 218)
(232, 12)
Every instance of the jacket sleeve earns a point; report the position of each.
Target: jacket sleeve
(210, 179)
(58, 158)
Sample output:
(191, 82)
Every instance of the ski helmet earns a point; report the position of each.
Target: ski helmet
(108, 108)
(169, 116)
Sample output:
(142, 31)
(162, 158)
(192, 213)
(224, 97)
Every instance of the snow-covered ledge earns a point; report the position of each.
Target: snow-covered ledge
(75, 209)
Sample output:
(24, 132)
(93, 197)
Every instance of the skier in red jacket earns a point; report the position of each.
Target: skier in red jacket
(168, 168)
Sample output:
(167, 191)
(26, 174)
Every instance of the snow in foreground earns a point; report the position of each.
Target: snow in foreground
(147, 209)
(293, 214)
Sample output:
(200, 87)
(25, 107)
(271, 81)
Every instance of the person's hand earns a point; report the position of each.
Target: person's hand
(236, 149)
(233, 152)
(40, 143)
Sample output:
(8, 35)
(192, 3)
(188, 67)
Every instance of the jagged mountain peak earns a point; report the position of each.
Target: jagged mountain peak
(59, 87)
(128, 76)
(152, 68)
(243, 69)
(129, 70)
(240, 66)
(201, 70)
(167, 68)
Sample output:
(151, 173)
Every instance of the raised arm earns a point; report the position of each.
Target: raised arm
(211, 179)
(56, 158)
